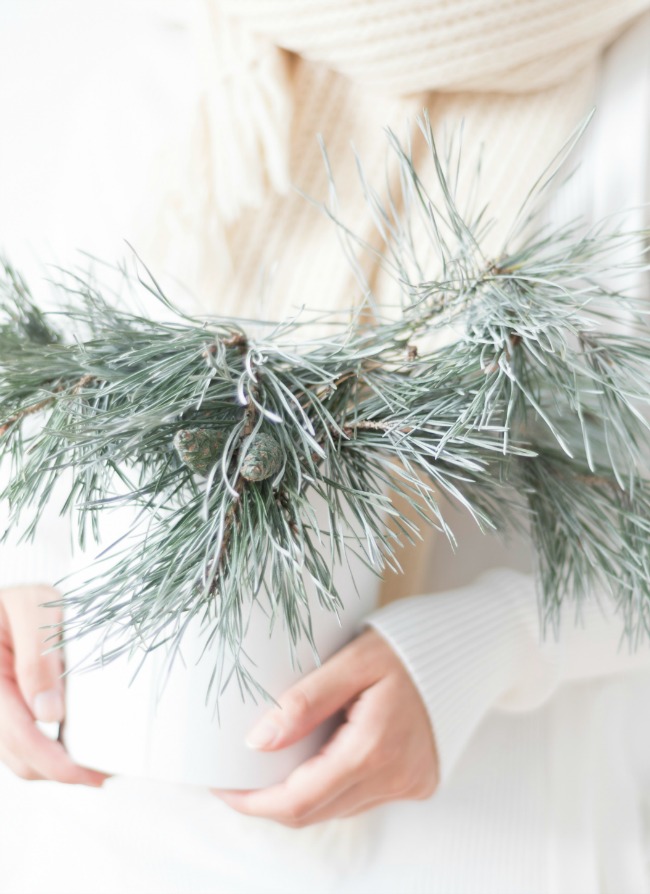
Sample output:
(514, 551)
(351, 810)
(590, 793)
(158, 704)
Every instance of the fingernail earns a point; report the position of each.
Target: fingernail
(98, 783)
(48, 706)
(263, 735)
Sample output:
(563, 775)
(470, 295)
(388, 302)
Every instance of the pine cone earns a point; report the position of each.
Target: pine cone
(199, 448)
(263, 458)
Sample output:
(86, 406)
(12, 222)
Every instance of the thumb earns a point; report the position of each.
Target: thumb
(38, 675)
(318, 696)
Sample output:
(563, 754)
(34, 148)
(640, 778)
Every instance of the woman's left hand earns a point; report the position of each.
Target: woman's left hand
(383, 751)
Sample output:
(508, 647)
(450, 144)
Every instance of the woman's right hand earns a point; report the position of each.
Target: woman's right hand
(31, 689)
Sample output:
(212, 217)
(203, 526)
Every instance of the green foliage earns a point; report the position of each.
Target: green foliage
(533, 414)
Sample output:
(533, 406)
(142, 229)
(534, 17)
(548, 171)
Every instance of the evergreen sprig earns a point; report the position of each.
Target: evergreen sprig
(220, 438)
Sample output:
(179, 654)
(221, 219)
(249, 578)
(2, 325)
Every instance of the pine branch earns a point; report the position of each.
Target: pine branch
(222, 441)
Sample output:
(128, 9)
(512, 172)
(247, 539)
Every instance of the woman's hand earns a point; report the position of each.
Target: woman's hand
(384, 750)
(31, 689)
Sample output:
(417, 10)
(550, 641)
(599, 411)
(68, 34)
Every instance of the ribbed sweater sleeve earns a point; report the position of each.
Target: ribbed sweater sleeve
(409, 46)
(480, 648)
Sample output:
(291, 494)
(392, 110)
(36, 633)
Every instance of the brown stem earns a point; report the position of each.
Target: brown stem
(230, 519)
(366, 366)
(35, 408)
(249, 419)
(236, 340)
(369, 425)
(240, 483)
(600, 481)
(284, 504)
(28, 411)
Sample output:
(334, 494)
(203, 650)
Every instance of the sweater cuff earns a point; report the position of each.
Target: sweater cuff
(463, 650)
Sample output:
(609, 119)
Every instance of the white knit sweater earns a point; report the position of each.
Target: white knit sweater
(473, 647)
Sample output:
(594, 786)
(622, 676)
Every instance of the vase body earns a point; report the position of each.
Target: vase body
(158, 723)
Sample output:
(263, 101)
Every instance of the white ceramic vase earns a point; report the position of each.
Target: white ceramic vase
(127, 726)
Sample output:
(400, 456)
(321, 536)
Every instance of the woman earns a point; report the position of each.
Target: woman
(522, 801)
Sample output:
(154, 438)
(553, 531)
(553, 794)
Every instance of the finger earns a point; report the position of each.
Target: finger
(322, 778)
(315, 698)
(357, 799)
(364, 808)
(18, 767)
(38, 675)
(370, 792)
(366, 794)
(28, 748)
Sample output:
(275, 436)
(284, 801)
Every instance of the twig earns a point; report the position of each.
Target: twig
(240, 483)
(28, 411)
(42, 404)
(370, 425)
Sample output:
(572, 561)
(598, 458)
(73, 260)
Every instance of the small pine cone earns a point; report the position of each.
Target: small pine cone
(263, 458)
(199, 448)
